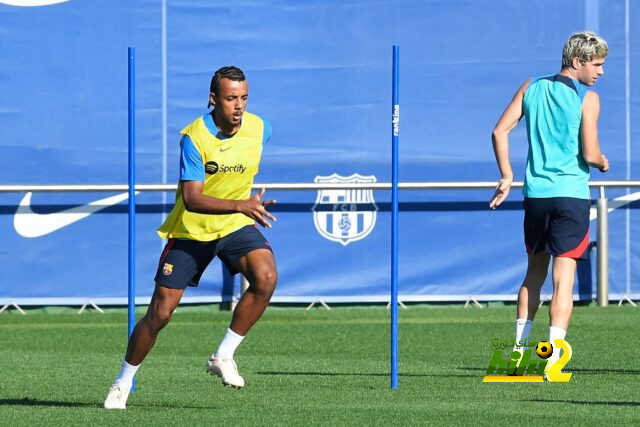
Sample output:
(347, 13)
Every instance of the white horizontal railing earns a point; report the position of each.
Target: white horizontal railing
(433, 185)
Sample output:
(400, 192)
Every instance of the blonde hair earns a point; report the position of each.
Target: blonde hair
(585, 46)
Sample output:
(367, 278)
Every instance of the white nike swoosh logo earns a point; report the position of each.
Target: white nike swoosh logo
(31, 3)
(616, 203)
(30, 224)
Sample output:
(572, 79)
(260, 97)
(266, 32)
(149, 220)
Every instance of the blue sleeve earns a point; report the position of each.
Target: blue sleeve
(582, 91)
(266, 134)
(191, 167)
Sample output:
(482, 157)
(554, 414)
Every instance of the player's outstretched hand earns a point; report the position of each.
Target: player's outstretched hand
(605, 166)
(501, 193)
(254, 207)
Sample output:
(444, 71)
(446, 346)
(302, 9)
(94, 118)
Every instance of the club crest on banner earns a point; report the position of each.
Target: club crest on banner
(345, 215)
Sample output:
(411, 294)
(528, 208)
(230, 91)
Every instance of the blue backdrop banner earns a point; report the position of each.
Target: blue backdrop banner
(320, 72)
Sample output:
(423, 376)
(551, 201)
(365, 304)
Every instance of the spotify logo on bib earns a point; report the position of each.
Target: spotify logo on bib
(211, 167)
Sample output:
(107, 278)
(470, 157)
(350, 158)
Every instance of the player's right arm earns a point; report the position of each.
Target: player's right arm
(253, 207)
(500, 138)
(589, 128)
(192, 178)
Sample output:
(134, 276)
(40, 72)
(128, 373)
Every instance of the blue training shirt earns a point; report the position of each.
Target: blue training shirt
(555, 165)
(191, 164)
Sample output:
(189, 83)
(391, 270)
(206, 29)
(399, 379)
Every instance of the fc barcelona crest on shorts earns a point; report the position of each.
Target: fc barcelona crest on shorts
(345, 215)
(167, 269)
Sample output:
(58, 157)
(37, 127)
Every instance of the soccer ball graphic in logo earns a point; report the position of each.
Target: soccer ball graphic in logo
(544, 349)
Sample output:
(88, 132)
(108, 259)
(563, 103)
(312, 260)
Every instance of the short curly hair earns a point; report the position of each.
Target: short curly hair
(585, 46)
(231, 73)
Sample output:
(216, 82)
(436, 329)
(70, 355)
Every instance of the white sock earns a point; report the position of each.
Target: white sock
(523, 329)
(228, 345)
(126, 374)
(556, 333)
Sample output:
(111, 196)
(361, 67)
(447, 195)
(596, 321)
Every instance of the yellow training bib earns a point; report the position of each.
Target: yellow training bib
(230, 166)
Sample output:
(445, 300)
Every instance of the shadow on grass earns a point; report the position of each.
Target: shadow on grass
(361, 374)
(27, 401)
(591, 371)
(585, 402)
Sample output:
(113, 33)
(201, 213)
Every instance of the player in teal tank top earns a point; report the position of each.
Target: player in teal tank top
(555, 166)
(562, 129)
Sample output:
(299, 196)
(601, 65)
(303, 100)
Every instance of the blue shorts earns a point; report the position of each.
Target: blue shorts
(183, 260)
(558, 226)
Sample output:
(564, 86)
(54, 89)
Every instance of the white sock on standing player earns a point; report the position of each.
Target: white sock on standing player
(228, 345)
(523, 329)
(554, 334)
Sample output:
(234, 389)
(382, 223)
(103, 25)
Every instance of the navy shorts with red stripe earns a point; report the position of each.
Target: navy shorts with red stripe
(558, 226)
(183, 260)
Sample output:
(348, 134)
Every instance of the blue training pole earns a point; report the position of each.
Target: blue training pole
(395, 131)
(132, 197)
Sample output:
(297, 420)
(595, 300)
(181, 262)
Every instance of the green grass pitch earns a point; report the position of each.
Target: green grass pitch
(316, 367)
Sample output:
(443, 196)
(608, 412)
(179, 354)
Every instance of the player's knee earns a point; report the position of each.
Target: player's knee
(563, 287)
(160, 317)
(265, 283)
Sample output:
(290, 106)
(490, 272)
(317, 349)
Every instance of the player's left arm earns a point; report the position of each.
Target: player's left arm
(500, 138)
(589, 128)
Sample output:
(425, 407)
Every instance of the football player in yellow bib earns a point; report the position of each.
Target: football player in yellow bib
(214, 215)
